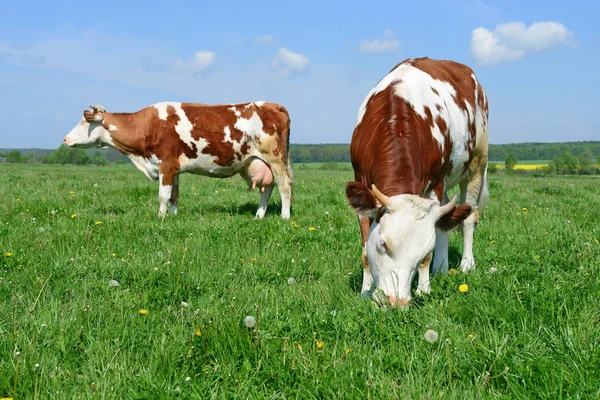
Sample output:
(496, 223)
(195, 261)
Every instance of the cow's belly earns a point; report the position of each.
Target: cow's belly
(205, 165)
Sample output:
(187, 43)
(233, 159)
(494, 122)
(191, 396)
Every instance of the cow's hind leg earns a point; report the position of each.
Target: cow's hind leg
(265, 194)
(175, 195)
(471, 191)
(283, 179)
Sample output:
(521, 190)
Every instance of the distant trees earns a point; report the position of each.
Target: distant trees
(541, 151)
(67, 155)
(15, 156)
(510, 161)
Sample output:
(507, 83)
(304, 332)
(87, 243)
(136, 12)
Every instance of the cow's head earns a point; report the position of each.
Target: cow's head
(90, 132)
(402, 235)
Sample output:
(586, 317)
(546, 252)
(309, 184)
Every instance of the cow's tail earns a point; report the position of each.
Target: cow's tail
(484, 194)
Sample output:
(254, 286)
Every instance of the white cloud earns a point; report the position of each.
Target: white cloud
(388, 43)
(264, 39)
(513, 40)
(288, 61)
(201, 61)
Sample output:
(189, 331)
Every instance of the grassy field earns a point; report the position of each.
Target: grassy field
(113, 302)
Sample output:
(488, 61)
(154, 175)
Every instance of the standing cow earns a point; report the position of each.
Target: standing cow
(419, 132)
(165, 139)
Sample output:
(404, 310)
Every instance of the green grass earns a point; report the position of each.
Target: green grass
(535, 323)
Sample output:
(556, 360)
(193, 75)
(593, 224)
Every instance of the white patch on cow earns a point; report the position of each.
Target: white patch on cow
(112, 128)
(252, 126)
(235, 111)
(387, 80)
(162, 108)
(259, 103)
(149, 166)
(237, 146)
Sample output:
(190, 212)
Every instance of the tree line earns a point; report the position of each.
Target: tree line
(312, 153)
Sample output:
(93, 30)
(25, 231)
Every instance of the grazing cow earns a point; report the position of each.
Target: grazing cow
(165, 139)
(419, 132)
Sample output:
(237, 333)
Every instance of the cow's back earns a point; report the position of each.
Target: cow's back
(418, 127)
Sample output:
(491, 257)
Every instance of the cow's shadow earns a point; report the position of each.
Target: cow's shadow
(248, 208)
(356, 279)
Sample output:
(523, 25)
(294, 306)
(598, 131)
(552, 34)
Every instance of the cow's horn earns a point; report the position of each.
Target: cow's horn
(382, 198)
(97, 108)
(446, 208)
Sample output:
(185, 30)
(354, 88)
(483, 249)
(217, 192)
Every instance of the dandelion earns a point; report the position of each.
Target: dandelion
(198, 333)
(184, 304)
(114, 254)
(250, 322)
(431, 336)
(73, 216)
(95, 185)
(312, 228)
(471, 336)
(53, 212)
(299, 347)
(524, 209)
(42, 230)
(493, 270)
(98, 223)
(18, 199)
(537, 257)
(143, 311)
(160, 254)
(320, 345)
(8, 254)
(113, 283)
(253, 259)
(291, 281)
(463, 288)
(452, 271)
(72, 193)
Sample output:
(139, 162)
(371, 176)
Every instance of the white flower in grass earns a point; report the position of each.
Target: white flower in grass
(291, 281)
(42, 230)
(431, 336)
(493, 270)
(184, 304)
(160, 254)
(113, 283)
(250, 322)
(187, 379)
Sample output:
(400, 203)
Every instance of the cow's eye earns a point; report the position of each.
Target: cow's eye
(383, 245)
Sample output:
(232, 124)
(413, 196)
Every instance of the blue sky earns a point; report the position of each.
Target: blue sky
(538, 61)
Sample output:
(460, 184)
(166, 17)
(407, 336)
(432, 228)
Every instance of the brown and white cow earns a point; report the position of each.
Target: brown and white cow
(166, 139)
(420, 131)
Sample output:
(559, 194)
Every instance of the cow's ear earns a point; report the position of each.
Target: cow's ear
(361, 199)
(93, 117)
(451, 216)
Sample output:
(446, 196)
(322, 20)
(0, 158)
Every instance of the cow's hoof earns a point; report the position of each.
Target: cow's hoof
(467, 264)
(423, 290)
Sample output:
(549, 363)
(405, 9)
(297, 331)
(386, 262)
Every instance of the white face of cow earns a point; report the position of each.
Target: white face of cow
(402, 235)
(89, 132)
(402, 239)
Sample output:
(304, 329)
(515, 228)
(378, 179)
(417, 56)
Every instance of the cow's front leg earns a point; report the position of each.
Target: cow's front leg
(424, 286)
(367, 284)
(165, 191)
(440, 254)
(175, 195)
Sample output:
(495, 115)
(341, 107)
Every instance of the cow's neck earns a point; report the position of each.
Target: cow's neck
(126, 133)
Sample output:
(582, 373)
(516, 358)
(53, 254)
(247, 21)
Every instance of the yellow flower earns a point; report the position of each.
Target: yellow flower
(9, 254)
(114, 254)
(348, 350)
(143, 311)
(294, 224)
(537, 257)
(471, 336)
(198, 332)
(312, 228)
(253, 259)
(7, 398)
(493, 241)
(463, 288)
(452, 271)
(320, 345)
(72, 193)
(18, 199)
(524, 209)
(73, 216)
(98, 222)
(299, 347)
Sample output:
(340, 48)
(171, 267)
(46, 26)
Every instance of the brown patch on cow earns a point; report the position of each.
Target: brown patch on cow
(435, 91)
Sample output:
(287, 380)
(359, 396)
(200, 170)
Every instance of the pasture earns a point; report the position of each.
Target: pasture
(113, 302)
